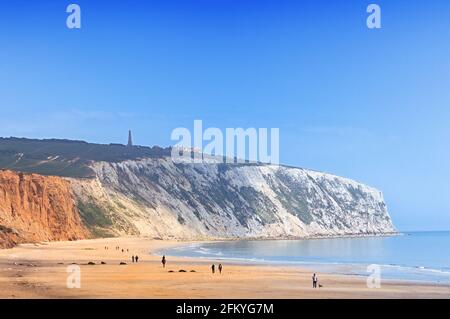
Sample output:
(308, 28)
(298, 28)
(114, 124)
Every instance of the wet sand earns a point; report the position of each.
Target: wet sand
(40, 271)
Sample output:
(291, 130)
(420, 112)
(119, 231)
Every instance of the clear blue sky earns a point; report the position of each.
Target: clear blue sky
(372, 105)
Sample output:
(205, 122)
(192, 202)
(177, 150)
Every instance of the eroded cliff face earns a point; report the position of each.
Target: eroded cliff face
(155, 197)
(37, 208)
(158, 198)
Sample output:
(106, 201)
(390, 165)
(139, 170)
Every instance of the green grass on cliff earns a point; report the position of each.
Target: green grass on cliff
(96, 218)
(65, 157)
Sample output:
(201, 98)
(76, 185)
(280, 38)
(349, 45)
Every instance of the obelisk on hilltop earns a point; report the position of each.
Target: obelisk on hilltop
(130, 140)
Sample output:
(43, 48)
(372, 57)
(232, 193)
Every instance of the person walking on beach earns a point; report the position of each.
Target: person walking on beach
(315, 279)
(163, 260)
(220, 268)
(213, 268)
(132, 258)
(136, 258)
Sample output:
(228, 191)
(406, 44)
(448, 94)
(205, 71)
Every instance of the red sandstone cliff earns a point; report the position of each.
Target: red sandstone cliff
(37, 208)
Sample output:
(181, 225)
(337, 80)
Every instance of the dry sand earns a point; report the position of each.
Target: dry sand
(40, 271)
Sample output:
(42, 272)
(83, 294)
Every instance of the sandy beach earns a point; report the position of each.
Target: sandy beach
(40, 271)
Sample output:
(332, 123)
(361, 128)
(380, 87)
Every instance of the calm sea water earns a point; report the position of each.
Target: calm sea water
(418, 256)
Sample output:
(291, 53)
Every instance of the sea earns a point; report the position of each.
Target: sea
(411, 256)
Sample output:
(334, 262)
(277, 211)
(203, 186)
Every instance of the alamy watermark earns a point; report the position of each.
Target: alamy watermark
(374, 279)
(74, 278)
(73, 21)
(236, 145)
(374, 19)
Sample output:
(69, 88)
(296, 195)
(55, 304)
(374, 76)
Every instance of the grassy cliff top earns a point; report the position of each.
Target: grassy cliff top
(66, 158)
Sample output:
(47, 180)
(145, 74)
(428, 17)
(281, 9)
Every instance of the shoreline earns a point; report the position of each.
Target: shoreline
(39, 271)
(225, 239)
(306, 265)
(312, 237)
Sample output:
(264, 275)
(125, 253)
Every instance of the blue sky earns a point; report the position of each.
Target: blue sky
(372, 105)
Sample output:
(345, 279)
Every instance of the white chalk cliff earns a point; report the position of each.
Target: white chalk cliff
(156, 197)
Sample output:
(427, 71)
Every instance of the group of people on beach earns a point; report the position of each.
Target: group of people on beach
(135, 259)
(213, 268)
(117, 248)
